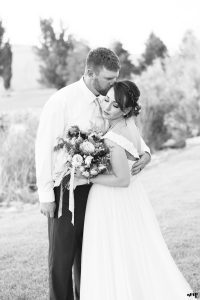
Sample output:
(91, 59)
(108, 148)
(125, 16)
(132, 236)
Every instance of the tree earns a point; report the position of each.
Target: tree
(5, 59)
(7, 65)
(155, 48)
(76, 60)
(190, 46)
(127, 67)
(170, 97)
(2, 30)
(53, 53)
(156, 102)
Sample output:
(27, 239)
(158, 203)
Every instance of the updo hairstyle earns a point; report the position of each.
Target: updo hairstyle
(126, 95)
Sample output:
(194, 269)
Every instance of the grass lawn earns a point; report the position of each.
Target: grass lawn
(23, 255)
(172, 183)
(24, 100)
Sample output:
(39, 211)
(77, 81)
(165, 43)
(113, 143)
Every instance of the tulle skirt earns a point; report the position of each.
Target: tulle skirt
(124, 255)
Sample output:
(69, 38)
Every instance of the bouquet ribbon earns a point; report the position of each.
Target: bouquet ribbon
(71, 195)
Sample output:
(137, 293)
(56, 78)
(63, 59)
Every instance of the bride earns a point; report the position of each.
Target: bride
(124, 255)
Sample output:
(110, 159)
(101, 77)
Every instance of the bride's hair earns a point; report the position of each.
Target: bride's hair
(126, 95)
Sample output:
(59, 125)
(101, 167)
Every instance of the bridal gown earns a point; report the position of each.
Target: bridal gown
(124, 255)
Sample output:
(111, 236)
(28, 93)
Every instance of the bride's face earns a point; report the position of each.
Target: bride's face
(110, 107)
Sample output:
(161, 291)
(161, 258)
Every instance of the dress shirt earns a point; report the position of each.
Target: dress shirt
(72, 105)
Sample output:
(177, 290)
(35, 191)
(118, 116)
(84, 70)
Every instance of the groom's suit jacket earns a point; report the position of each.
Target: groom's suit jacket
(72, 105)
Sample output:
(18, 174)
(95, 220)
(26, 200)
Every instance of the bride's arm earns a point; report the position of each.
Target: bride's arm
(120, 170)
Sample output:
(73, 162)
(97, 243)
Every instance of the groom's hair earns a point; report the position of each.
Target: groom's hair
(102, 57)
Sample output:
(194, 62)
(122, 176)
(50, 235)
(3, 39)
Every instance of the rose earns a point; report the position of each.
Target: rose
(82, 169)
(77, 160)
(87, 147)
(73, 131)
(86, 174)
(73, 141)
(93, 172)
(102, 167)
(88, 160)
(79, 139)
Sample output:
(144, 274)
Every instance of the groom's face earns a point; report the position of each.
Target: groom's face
(104, 80)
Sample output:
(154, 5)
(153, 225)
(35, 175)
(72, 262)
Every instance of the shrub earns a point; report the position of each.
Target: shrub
(170, 98)
(156, 102)
(17, 156)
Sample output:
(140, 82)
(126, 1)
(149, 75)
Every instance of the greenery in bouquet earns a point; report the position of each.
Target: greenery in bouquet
(85, 151)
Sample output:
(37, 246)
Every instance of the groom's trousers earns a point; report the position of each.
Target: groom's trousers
(65, 245)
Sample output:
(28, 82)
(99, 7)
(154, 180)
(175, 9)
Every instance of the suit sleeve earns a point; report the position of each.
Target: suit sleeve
(144, 147)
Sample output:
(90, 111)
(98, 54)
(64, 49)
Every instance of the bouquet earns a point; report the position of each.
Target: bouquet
(80, 151)
(84, 151)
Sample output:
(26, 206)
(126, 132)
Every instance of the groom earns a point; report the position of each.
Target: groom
(76, 104)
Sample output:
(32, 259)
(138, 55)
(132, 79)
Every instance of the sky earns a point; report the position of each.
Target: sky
(104, 21)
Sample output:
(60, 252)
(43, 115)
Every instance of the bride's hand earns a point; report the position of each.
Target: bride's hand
(139, 165)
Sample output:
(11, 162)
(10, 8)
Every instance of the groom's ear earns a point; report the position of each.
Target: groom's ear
(90, 72)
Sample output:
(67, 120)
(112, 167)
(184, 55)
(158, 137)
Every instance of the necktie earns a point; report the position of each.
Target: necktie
(97, 122)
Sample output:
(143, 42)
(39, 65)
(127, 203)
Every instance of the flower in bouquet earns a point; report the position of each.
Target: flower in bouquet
(88, 160)
(102, 167)
(87, 147)
(86, 174)
(77, 160)
(94, 172)
(73, 131)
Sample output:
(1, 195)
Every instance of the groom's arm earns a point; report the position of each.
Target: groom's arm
(144, 147)
(51, 126)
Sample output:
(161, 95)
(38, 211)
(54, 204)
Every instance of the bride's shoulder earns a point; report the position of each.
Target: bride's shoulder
(122, 133)
(115, 138)
(110, 141)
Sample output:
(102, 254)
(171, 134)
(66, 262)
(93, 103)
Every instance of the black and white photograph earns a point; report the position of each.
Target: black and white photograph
(99, 150)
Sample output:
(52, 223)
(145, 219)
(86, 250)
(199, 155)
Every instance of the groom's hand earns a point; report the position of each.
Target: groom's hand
(48, 209)
(141, 163)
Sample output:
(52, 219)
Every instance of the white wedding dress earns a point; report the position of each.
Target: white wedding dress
(124, 255)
